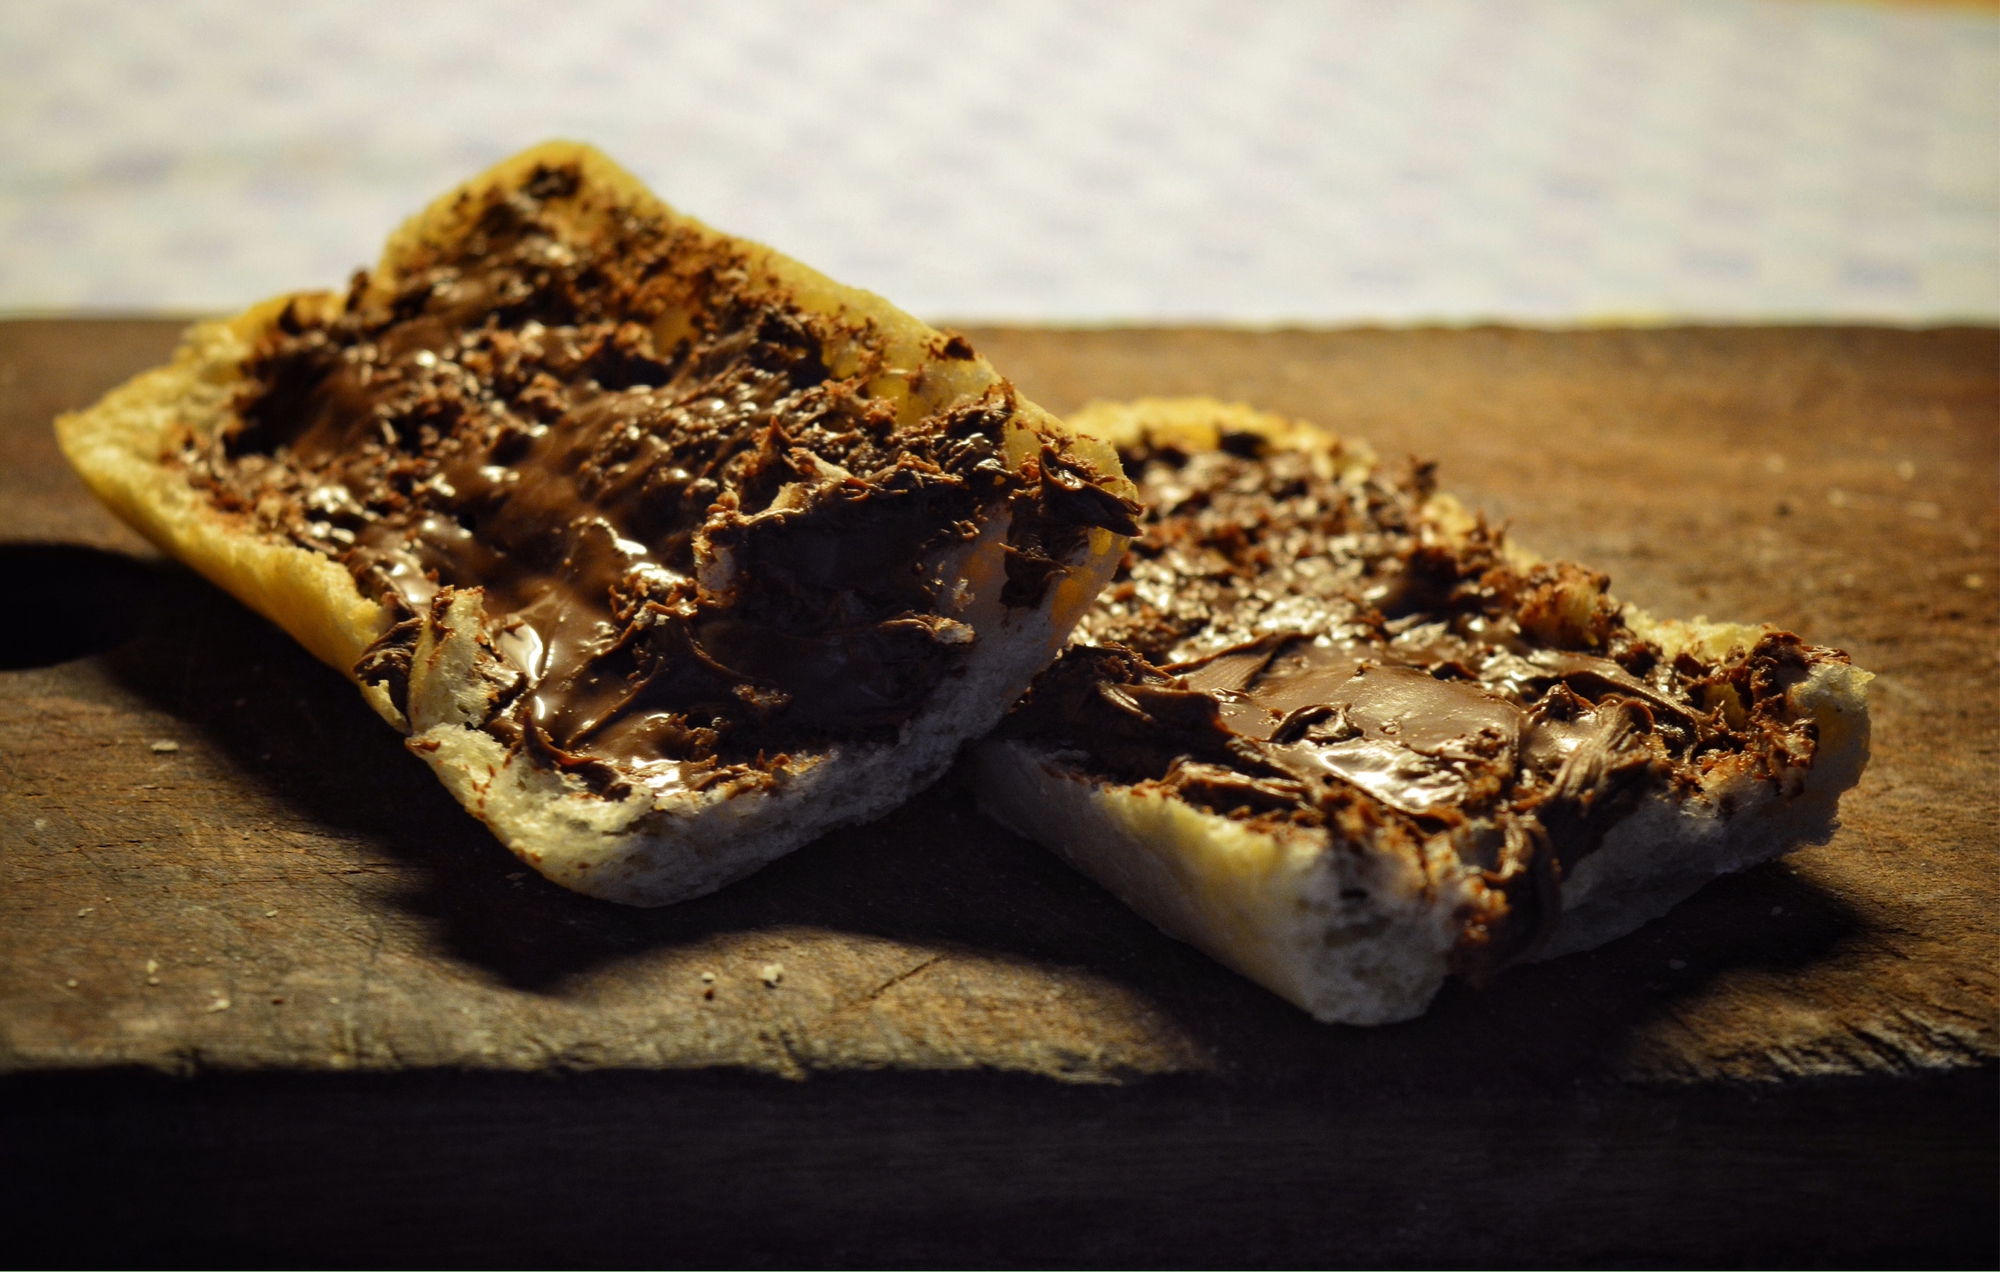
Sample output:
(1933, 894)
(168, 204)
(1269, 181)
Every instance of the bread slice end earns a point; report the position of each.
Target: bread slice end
(1353, 938)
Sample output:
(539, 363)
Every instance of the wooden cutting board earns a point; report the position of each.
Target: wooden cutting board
(215, 860)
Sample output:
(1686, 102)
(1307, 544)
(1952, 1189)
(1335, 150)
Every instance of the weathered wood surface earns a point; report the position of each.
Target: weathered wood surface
(285, 891)
(290, 861)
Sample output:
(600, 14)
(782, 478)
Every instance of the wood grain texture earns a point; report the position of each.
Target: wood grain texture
(286, 893)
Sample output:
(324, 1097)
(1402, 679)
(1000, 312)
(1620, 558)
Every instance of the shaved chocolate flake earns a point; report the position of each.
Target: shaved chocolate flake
(386, 662)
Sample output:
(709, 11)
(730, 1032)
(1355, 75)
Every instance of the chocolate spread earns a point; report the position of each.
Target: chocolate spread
(700, 548)
(1286, 646)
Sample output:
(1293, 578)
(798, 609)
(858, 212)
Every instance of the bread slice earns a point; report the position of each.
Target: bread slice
(1337, 732)
(666, 551)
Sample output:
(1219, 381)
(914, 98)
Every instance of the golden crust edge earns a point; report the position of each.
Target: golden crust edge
(118, 445)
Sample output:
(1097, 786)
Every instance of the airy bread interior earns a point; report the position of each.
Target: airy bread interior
(638, 848)
(1362, 937)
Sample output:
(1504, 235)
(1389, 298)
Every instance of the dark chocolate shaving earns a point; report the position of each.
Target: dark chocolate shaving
(386, 662)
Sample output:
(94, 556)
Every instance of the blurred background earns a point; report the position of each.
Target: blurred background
(1025, 160)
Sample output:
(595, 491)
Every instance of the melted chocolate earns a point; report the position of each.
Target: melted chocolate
(1284, 646)
(699, 547)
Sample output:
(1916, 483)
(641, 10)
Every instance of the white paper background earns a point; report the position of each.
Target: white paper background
(1550, 160)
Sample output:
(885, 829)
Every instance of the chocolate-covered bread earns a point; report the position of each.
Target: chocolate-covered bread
(1344, 736)
(668, 552)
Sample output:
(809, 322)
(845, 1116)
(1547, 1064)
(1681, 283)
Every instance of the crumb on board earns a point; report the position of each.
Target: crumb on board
(270, 914)
(773, 973)
(85, 910)
(165, 747)
(220, 1004)
(152, 965)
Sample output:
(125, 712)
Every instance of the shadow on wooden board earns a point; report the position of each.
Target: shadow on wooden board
(276, 717)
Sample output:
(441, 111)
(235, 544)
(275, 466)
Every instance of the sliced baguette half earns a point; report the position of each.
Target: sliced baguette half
(1332, 729)
(666, 551)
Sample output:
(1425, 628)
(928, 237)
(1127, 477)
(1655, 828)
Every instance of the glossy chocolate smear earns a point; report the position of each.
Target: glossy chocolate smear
(1282, 645)
(699, 547)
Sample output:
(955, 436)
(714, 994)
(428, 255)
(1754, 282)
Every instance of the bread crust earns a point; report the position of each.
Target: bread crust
(1363, 937)
(642, 848)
